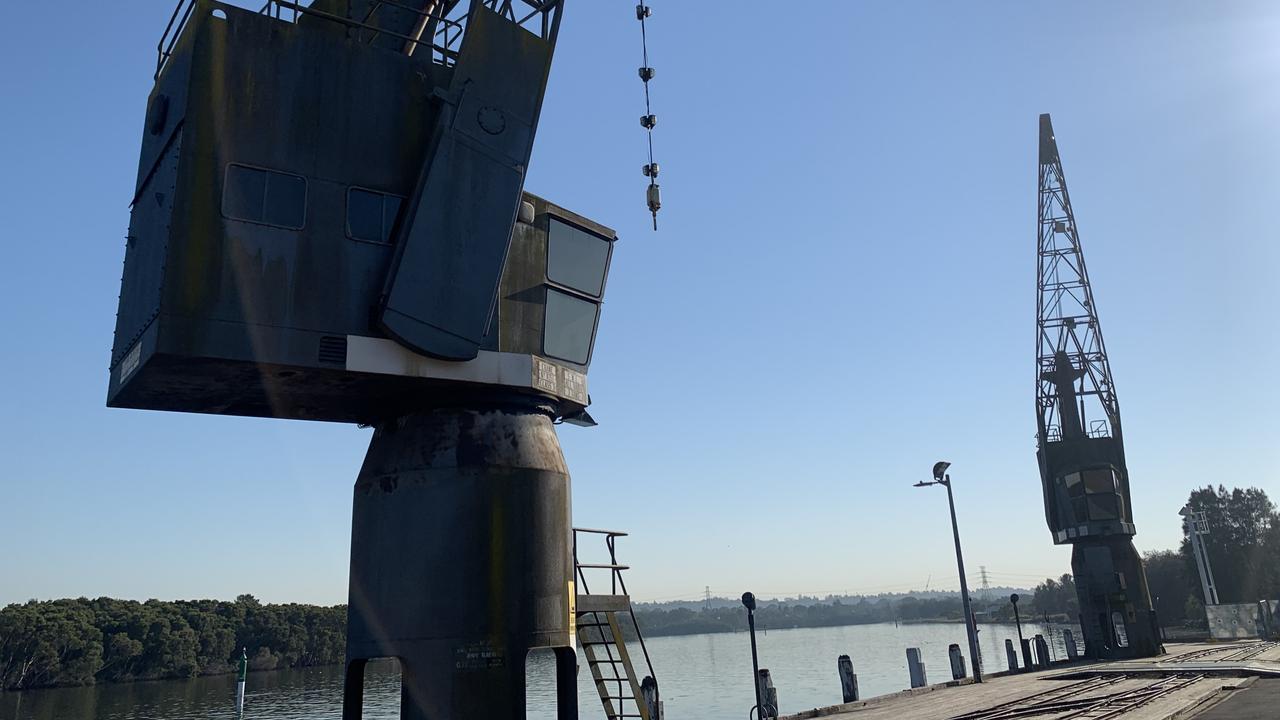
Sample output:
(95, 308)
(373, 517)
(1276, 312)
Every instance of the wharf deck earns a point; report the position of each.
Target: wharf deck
(1190, 678)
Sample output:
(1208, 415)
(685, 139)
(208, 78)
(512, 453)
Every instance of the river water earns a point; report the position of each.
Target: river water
(702, 677)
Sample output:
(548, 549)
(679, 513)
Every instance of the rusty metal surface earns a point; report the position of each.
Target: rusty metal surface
(461, 560)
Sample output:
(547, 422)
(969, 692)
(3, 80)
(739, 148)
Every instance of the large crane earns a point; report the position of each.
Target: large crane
(1081, 446)
(330, 224)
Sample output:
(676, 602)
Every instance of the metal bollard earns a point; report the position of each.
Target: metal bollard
(649, 691)
(957, 662)
(1070, 641)
(915, 666)
(1042, 652)
(1027, 663)
(768, 696)
(848, 680)
(1011, 654)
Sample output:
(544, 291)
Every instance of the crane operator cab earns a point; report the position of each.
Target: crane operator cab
(329, 220)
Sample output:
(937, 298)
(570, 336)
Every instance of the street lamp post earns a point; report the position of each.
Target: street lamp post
(1023, 646)
(1016, 617)
(940, 477)
(749, 602)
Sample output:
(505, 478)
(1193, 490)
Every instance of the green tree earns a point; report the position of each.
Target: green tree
(1243, 544)
(1193, 611)
(48, 643)
(77, 642)
(120, 652)
(1169, 584)
(1057, 597)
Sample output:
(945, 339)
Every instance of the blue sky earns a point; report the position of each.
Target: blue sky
(841, 293)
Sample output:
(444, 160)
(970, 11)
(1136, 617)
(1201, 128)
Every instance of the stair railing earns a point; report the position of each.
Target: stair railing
(616, 581)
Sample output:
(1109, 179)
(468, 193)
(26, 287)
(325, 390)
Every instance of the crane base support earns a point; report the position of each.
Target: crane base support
(461, 561)
(1116, 617)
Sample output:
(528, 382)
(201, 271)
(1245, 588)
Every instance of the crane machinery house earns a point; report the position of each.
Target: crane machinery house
(329, 220)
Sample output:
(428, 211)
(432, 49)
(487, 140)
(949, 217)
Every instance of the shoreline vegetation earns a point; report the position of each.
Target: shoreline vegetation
(55, 643)
(78, 642)
(71, 642)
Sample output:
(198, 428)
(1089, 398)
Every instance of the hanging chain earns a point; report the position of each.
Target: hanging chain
(653, 195)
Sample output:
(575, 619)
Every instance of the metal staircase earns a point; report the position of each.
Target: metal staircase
(600, 634)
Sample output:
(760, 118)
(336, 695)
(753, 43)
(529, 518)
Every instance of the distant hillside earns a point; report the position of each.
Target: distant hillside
(1000, 593)
(728, 615)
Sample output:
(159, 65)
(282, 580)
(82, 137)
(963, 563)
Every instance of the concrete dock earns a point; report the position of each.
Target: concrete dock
(1240, 679)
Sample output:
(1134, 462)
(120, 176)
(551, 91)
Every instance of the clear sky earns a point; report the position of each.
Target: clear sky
(841, 293)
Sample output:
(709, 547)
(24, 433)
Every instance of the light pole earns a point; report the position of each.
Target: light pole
(1016, 617)
(940, 477)
(749, 602)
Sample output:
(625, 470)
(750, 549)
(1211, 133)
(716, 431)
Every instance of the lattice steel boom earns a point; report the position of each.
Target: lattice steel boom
(1068, 319)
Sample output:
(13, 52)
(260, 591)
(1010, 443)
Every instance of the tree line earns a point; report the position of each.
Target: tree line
(82, 641)
(841, 611)
(1243, 546)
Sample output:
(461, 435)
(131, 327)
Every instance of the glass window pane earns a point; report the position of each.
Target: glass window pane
(1099, 481)
(1103, 507)
(570, 327)
(1074, 487)
(364, 215)
(576, 258)
(243, 193)
(390, 210)
(286, 203)
(1079, 510)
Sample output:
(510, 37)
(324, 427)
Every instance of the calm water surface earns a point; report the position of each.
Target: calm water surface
(702, 677)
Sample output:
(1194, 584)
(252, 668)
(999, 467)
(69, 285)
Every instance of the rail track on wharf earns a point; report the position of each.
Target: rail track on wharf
(1250, 651)
(1081, 701)
(1234, 652)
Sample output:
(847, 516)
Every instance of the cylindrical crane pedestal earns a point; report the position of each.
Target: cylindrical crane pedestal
(461, 561)
(1115, 604)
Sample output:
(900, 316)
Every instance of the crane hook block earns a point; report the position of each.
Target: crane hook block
(648, 121)
(646, 74)
(643, 12)
(650, 170)
(654, 197)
